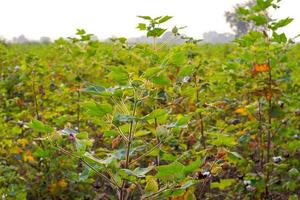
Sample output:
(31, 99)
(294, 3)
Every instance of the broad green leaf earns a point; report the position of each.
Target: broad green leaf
(145, 17)
(281, 23)
(162, 79)
(193, 166)
(138, 172)
(162, 132)
(156, 32)
(119, 75)
(141, 26)
(183, 121)
(189, 183)
(243, 11)
(173, 171)
(262, 5)
(293, 145)
(151, 184)
(124, 118)
(152, 71)
(259, 19)
(40, 126)
(156, 114)
(223, 140)
(293, 172)
(279, 38)
(178, 58)
(186, 70)
(82, 135)
(99, 110)
(94, 89)
(164, 19)
(223, 184)
(96, 160)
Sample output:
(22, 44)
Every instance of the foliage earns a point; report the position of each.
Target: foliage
(82, 119)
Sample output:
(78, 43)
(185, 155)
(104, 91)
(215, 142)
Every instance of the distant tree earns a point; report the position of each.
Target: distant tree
(238, 25)
(45, 40)
(214, 37)
(2, 40)
(21, 39)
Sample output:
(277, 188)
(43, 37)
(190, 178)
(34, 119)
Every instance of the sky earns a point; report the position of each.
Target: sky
(107, 18)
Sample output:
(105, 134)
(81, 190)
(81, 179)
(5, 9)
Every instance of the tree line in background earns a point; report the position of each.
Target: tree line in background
(239, 27)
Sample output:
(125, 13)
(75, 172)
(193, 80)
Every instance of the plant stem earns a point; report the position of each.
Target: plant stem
(269, 135)
(113, 183)
(145, 154)
(260, 136)
(202, 140)
(127, 158)
(202, 131)
(157, 143)
(35, 97)
(78, 107)
(154, 42)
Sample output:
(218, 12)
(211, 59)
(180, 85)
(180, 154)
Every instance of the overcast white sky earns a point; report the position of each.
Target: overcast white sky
(106, 18)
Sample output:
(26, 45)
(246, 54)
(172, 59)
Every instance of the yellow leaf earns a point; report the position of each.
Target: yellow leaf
(22, 141)
(253, 137)
(28, 156)
(260, 68)
(62, 183)
(241, 111)
(16, 150)
(268, 94)
(152, 185)
(216, 170)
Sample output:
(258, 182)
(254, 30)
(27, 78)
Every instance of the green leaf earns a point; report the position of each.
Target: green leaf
(80, 32)
(82, 135)
(152, 71)
(138, 172)
(40, 126)
(124, 118)
(281, 23)
(276, 111)
(279, 38)
(156, 114)
(243, 11)
(186, 70)
(189, 183)
(162, 79)
(291, 185)
(145, 17)
(164, 19)
(119, 75)
(42, 153)
(162, 132)
(151, 184)
(262, 5)
(235, 154)
(259, 19)
(141, 26)
(223, 184)
(183, 121)
(293, 145)
(96, 160)
(141, 133)
(156, 32)
(193, 166)
(179, 58)
(94, 89)
(99, 110)
(173, 171)
(223, 140)
(293, 172)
